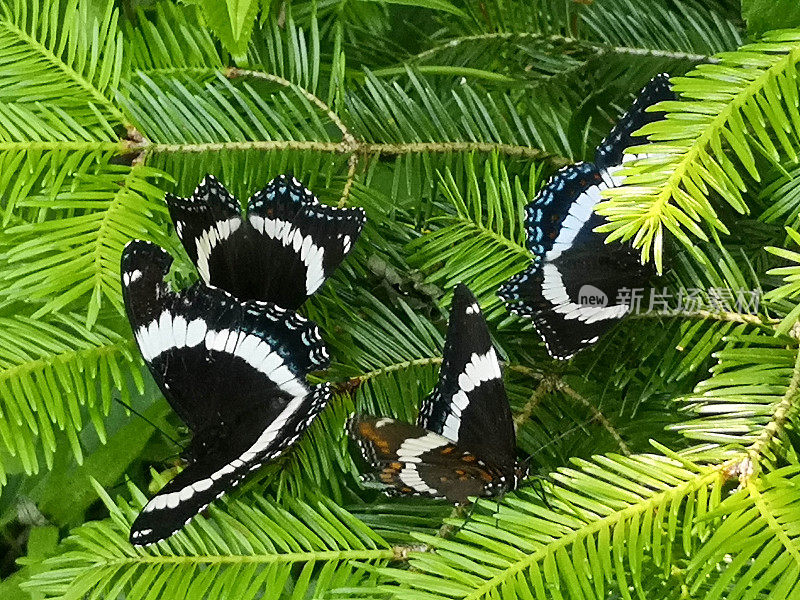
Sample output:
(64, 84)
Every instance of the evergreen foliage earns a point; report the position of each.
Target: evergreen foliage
(667, 456)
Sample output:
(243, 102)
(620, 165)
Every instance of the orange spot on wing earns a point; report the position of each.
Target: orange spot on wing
(369, 432)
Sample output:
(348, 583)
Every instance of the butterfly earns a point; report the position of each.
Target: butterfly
(463, 444)
(234, 372)
(575, 289)
(281, 252)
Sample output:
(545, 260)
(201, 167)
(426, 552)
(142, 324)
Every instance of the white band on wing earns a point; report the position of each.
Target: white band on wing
(207, 240)
(555, 292)
(167, 333)
(310, 254)
(410, 452)
(479, 369)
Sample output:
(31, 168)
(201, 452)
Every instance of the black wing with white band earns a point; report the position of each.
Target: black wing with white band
(223, 458)
(578, 286)
(469, 404)
(610, 152)
(233, 371)
(281, 252)
(205, 222)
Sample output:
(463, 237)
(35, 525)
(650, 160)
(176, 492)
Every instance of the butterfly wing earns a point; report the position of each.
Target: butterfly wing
(229, 369)
(572, 289)
(207, 223)
(577, 298)
(410, 460)
(469, 404)
(609, 153)
(222, 463)
(281, 253)
(299, 242)
(198, 341)
(564, 204)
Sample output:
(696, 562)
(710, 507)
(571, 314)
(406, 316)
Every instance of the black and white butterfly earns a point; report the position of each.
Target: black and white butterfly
(233, 371)
(463, 444)
(576, 288)
(281, 252)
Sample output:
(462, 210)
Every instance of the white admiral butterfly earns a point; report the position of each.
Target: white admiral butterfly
(463, 443)
(282, 252)
(233, 371)
(571, 289)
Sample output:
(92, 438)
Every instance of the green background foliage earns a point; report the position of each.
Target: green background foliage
(666, 456)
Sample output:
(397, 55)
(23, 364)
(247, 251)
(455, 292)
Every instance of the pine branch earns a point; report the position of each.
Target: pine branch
(67, 54)
(767, 555)
(783, 412)
(245, 547)
(688, 155)
(598, 49)
(610, 512)
(113, 206)
(349, 145)
(53, 374)
(746, 403)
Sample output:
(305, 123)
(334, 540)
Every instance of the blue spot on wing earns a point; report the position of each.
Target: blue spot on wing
(545, 215)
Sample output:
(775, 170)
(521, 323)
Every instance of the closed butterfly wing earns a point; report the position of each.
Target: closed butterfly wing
(412, 461)
(233, 371)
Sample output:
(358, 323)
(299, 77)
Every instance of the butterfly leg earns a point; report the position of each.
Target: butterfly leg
(537, 484)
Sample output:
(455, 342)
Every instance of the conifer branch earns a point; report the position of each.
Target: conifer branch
(598, 48)
(788, 406)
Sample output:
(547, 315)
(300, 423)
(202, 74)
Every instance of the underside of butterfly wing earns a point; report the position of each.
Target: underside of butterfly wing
(412, 461)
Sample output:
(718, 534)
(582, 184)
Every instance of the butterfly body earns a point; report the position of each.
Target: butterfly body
(463, 444)
(575, 290)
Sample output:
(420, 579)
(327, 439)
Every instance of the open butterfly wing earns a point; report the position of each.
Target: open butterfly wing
(282, 252)
(207, 223)
(571, 291)
(610, 151)
(469, 404)
(223, 462)
(297, 242)
(234, 372)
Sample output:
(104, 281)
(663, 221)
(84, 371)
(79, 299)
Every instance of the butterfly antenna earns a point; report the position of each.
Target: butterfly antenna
(537, 483)
(153, 425)
(125, 480)
(526, 461)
